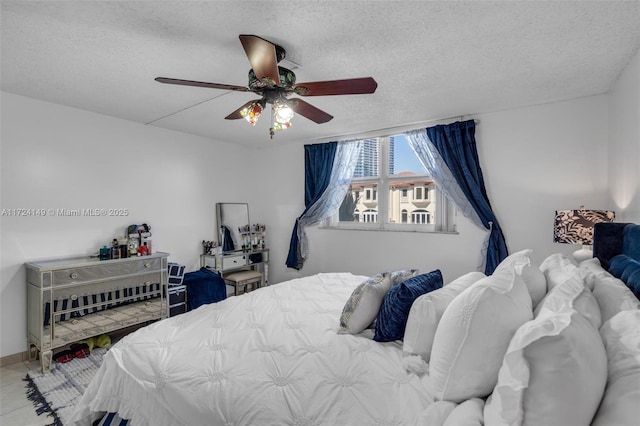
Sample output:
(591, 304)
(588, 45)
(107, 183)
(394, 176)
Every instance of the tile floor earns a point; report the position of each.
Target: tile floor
(15, 408)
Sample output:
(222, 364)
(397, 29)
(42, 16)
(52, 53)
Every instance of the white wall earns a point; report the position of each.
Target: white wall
(535, 160)
(59, 157)
(624, 143)
(540, 159)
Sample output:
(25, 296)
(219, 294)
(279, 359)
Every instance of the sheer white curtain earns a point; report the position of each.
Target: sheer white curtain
(439, 171)
(344, 165)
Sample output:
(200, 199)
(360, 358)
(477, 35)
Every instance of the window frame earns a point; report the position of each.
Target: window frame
(445, 211)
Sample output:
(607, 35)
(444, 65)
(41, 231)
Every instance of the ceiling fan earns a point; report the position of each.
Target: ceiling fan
(276, 84)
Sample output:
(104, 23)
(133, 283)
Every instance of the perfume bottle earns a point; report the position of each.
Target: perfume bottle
(105, 254)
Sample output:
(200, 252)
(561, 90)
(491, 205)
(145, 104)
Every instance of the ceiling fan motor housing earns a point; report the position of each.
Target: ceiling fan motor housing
(287, 80)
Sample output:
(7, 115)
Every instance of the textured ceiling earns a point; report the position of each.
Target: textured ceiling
(431, 60)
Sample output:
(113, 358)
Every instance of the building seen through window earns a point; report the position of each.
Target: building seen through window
(389, 186)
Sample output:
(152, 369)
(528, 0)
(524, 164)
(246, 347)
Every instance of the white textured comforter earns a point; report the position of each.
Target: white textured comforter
(270, 357)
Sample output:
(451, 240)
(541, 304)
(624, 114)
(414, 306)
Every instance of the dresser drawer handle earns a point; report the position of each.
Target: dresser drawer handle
(147, 265)
(74, 297)
(73, 275)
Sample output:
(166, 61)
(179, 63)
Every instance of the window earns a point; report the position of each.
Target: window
(420, 216)
(369, 216)
(417, 193)
(391, 190)
(370, 194)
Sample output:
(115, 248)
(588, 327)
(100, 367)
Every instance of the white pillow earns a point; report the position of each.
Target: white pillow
(473, 336)
(554, 373)
(436, 413)
(364, 303)
(613, 296)
(621, 402)
(557, 268)
(468, 413)
(532, 276)
(426, 312)
(589, 270)
(574, 295)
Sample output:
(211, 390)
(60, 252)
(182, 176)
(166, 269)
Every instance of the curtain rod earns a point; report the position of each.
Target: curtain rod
(389, 131)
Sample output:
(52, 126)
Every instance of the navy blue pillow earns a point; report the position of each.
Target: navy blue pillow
(393, 314)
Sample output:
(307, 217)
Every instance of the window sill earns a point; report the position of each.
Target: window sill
(378, 229)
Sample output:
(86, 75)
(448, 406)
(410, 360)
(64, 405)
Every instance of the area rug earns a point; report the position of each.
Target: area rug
(57, 392)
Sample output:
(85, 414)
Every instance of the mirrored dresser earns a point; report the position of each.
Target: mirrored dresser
(76, 298)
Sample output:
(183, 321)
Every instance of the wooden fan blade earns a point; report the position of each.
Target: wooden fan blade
(351, 86)
(309, 111)
(201, 84)
(262, 57)
(236, 114)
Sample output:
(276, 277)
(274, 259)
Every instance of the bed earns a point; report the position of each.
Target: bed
(554, 343)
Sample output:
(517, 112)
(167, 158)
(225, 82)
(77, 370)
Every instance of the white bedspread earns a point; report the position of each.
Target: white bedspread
(270, 357)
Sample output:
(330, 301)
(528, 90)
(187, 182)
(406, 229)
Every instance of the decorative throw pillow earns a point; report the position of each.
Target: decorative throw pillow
(396, 278)
(393, 314)
(531, 274)
(621, 339)
(426, 312)
(554, 373)
(474, 333)
(402, 275)
(363, 304)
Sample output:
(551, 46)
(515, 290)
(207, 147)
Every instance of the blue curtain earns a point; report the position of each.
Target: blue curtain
(456, 144)
(318, 164)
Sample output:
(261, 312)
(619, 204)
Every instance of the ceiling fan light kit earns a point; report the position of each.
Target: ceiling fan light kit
(275, 84)
(252, 112)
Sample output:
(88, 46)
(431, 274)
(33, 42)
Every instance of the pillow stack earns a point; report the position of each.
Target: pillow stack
(364, 303)
(555, 368)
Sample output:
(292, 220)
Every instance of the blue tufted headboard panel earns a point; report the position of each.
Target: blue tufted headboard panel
(631, 241)
(617, 246)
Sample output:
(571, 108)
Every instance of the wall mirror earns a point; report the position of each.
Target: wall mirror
(232, 218)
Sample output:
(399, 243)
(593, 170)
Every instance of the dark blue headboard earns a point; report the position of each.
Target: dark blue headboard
(607, 241)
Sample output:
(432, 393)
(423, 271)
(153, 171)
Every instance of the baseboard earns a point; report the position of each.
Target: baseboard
(14, 359)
